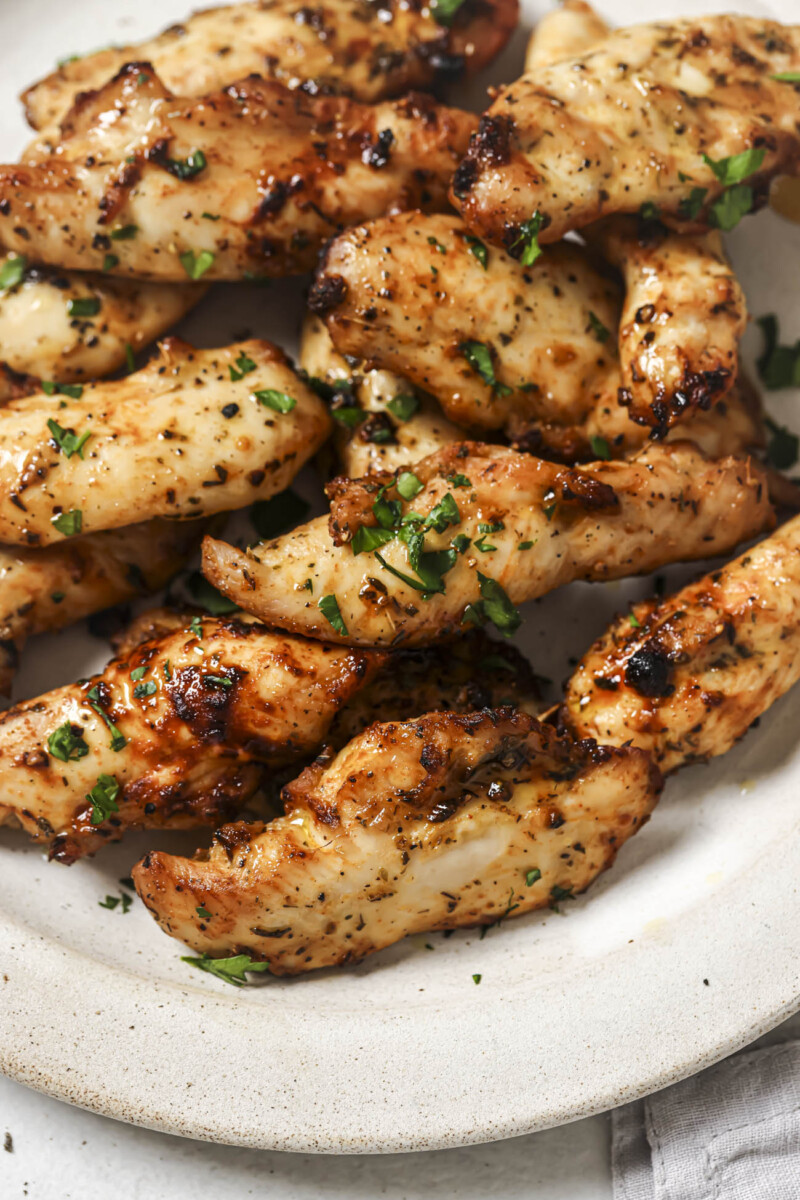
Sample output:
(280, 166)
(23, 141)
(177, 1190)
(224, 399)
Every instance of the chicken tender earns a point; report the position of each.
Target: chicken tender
(685, 677)
(684, 120)
(247, 182)
(437, 823)
(475, 530)
(195, 432)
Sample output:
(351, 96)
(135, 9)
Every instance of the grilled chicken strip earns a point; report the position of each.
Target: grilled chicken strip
(195, 432)
(248, 181)
(437, 823)
(684, 678)
(564, 32)
(347, 46)
(498, 345)
(177, 734)
(381, 422)
(41, 337)
(493, 528)
(628, 122)
(683, 317)
(44, 590)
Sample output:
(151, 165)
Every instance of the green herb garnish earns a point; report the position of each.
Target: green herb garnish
(495, 606)
(529, 236)
(600, 447)
(187, 168)
(476, 247)
(277, 401)
(68, 442)
(479, 358)
(143, 690)
(84, 306)
(329, 607)
(600, 331)
(403, 406)
(124, 233)
(66, 745)
(444, 12)
(533, 876)
(231, 970)
(12, 272)
(73, 390)
(244, 366)
(69, 523)
(103, 798)
(196, 265)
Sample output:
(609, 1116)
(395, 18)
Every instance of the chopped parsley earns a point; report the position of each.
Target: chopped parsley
(787, 77)
(130, 361)
(432, 241)
(65, 744)
(217, 681)
(461, 543)
(689, 207)
(118, 739)
(526, 545)
(207, 216)
(68, 442)
(403, 406)
(103, 798)
(634, 621)
(495, 606)
(83, 306)
(73, 390)
(57, 597)
(409, 485)
(367, 538)
(779, 366)
(232, 970)
(277, 401)
(477, 978)
(187, 168)
(737, 167)
(110, 261)
(459, 481)
(279, 513)
(478, 249)
(69, 523)
(600, 447)
(124, 233)
(558, 893)
(649, 212)
(600, 331)
(244, 366)
(196, 626)
(444, 12)
(529, 237)
(783, 446)
(732, 205)
(143, 690)
(329, 607)
(349, 415)
(138, 673)
(196, 265)
(737, 199)
(12, 272)
(203, 912)
(479, 358)
(533, 876)
(113, 902)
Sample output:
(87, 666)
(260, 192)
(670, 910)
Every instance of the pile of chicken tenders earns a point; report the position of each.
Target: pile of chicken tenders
(519, 368)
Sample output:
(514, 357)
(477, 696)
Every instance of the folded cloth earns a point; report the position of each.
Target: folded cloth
(730, 1133)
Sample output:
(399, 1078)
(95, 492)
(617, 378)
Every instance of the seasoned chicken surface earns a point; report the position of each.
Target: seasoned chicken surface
(245, 182)
(484, 529)
(44, 590)
(195, 432)
(42, 338)
(349, 46)
(381, 422)
(178, 733)
(683, 317)
(437, 823)
(498, 345)
(685, 678)
(628, 122)
(564, 32)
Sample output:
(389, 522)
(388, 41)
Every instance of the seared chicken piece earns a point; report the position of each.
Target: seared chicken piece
(683, 317)
(627, 124)
(248, 181)
(684, 678)
(176, 735)
(195, 432)
(475, 530)
(41, 338)
(349, 46)
(437, 823)
(44, 590)
(381, 423)
(498, 345)
(564, 32)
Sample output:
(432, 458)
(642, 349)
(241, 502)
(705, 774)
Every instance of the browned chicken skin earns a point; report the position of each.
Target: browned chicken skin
(626, 123)
(436, 823)
(245, 182)
(513, 528)
(349, 46)
(685, 678)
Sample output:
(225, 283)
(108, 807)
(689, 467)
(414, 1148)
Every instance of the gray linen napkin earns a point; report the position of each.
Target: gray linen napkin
(730, 1133)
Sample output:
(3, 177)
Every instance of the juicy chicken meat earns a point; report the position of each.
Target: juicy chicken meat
(437, 823)
(348, 46)
(216, 702)
(45, 590)
(683, 317)
(195, 432)
(41, 338)
(627, 123)
(690, 677)
(245, 182)
(493, 528)
(564, 32)
(498, 345)
(381, 422)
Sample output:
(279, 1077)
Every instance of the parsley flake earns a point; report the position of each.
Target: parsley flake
(479, 357)
(196, 265)
(143, 690)
(12, 272)
(444, 12)
(244, 366)
(67, 441)
(124, 233)
(600, 331)
(103, 798)
(478, 249)
(403, 406)
(110, 261)
(187, 168)
(329, 607)
(689, 207)
(73, 390)
(532, 876)
(495, 606)
(477, 978)
(277, 401)
(409, 485)
(737, 167)
(65, 744)
(69, 523)
(203, 912)
(231, 970)
(529, 237)
(600, 447)
(83, 306)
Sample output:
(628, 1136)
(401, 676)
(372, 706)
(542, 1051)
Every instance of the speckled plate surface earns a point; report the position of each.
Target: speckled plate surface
(685, 951)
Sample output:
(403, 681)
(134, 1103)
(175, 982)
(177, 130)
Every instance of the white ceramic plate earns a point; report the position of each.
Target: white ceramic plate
(685, 951)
